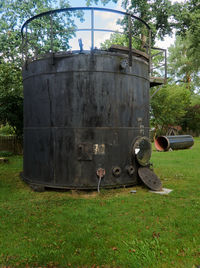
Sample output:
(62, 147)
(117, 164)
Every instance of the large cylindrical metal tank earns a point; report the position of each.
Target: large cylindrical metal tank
(83, 112)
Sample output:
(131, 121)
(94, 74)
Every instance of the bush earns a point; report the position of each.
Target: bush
(6, 130)
(5, 154)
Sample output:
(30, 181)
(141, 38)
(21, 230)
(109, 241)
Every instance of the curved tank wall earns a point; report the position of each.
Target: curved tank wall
(83, 112)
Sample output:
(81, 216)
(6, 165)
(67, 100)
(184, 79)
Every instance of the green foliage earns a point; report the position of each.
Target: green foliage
(112, 229)
(5, 154)
(11, 97)
(120, 39)
(115, 39)
(194, 39)
(187, 23)
(6, 130)
(156, 13)
(11, 112)
(10, 79)
(181, 65)
(168, 107)
(195, 99)
(13, 14)
(191, 120)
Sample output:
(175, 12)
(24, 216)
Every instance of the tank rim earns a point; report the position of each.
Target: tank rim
(57, 186)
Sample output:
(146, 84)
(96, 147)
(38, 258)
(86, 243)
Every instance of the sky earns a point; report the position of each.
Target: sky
(103, 20)
(106, 20)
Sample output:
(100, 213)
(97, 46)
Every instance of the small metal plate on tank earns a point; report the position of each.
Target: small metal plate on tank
(150, 179)
(98, 149)
(85, 152)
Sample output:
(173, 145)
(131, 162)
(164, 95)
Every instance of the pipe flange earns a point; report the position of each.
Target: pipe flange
(130, 170)
(116, 171)
(141, 150)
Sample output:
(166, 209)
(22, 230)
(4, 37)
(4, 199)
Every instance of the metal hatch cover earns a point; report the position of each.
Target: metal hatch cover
(150, 179)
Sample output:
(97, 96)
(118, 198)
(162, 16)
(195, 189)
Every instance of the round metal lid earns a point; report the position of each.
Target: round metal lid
(150, 179)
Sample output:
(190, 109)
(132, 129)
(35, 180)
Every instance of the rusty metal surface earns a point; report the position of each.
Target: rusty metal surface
(80, 114)
(150, 179)
(101, 172)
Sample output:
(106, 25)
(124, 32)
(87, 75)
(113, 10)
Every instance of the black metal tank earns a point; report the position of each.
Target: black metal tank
(86, 116)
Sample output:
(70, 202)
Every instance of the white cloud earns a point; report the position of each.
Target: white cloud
(108, 20)
(119, 6)
(167, 42)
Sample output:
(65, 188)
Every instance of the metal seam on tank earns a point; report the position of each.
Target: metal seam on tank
(50, 103)
(114, 55)
(72, 71)
(98, 128)
(139, 59)
(52, 134)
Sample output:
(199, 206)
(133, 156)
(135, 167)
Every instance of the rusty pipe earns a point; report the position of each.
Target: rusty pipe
(164, 143)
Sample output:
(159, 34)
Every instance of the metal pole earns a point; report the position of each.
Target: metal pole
(22, 49)
(130, 39)
(165, 66)
(26, 48)
(51, 20)
(92, 29)
(150, 51)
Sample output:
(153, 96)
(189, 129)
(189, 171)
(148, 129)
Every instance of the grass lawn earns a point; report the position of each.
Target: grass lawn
(113, 229)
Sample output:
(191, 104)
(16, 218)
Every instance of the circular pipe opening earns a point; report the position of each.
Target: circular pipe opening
(130, 170)
(116, 171)
(142, 150)
(161, 143)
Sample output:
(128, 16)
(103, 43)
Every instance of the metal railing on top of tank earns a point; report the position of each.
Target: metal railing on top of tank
(48, 32)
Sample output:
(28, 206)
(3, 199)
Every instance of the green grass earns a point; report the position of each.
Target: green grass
(113, 229)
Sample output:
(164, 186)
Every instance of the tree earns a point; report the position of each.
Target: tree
(154, 12)
(168, 107)
(191, 120)
(119, 39)
(181, 66)
(13, 13)
(11, 98)
(187, 24)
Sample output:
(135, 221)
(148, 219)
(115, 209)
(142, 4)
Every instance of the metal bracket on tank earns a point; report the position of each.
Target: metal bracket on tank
(52, 59)
(124, 65)
(130, 40)
(141, 126)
